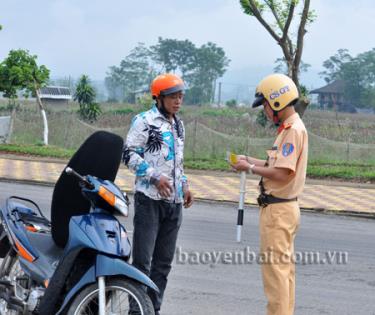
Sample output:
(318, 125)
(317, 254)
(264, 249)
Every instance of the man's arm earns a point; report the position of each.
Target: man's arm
(135, 145)
(188, 196)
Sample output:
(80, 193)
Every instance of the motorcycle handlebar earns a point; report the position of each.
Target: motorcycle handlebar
(81, 178)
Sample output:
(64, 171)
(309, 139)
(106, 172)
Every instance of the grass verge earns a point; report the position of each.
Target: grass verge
(37, 150)
(357, 171)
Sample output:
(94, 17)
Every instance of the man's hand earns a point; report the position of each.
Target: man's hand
(188, 198)
(163, 186)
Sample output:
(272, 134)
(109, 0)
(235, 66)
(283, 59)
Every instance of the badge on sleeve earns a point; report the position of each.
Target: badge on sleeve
(288, 148)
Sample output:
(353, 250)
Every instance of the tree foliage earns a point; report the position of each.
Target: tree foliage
(200, 67)
(174, 55)
(20, 72)
(357, 73)
(210, 63)
(85, 95)
(291, 42)
(134, 72)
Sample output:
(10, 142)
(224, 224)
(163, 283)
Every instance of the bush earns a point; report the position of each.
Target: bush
(123, 111)
(90, 112)
(231, 103)
(144, 102)
(261, 119)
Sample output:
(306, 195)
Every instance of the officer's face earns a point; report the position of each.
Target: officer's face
(173, 102)
(268, 110)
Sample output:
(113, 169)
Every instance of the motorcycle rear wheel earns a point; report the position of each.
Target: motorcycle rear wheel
(10, 267)
(118, 294)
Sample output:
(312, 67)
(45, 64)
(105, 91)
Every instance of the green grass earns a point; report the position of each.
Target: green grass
(316, 169)
(37, 150)
(207, 164)
(347, 172)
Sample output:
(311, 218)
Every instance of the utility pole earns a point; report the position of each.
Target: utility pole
(219, 96)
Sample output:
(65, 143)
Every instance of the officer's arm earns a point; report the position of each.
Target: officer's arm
(255, 161)
(273, 173)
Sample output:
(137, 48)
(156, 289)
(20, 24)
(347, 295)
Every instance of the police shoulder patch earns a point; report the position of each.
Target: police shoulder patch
(288, 148)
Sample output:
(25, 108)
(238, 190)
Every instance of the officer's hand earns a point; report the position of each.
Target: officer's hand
(188, 198)
(163, 186)
(241, 165)
(241, 158)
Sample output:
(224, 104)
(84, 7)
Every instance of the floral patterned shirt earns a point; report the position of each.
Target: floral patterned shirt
(154, 147)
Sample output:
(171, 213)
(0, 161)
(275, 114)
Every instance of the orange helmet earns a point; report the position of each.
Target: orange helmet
(166, 84)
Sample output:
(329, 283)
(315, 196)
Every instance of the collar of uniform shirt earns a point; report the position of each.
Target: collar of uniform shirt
(281, 128)
(287, 123)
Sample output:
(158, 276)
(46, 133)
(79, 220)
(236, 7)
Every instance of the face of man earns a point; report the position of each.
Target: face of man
(173, 102)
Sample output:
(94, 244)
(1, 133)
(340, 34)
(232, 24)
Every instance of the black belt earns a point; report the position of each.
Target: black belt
(265, 200)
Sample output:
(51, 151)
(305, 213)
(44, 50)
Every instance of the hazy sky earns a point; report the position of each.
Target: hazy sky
(72, 37)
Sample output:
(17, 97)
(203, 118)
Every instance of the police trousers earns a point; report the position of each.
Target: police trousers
(156, 225)
(278, 224)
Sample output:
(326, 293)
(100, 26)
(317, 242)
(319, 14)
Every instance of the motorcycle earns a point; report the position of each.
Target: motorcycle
(77, 262)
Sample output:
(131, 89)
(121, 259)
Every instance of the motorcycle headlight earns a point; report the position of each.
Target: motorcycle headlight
(117, 202)
(121, 206)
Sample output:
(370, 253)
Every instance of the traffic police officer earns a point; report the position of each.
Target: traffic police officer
(282, 181)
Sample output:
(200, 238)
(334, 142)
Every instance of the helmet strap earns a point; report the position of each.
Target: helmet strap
(162, 109)
(276, 119)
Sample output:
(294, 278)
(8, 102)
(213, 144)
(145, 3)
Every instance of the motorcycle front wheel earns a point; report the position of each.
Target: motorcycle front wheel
(123, 297)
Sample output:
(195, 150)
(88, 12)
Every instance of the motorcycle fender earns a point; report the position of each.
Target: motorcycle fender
(107, 266)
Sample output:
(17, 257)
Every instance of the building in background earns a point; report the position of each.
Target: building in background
(55, 95)
(331, 96)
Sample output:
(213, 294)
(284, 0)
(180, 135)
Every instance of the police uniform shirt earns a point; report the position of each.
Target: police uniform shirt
(289, 151)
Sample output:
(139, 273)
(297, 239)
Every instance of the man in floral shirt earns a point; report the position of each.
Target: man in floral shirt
(154, 152)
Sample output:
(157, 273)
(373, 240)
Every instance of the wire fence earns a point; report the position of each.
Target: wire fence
(202, 141)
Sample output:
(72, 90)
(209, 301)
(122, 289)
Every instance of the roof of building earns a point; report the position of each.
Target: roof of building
(55, 92)
(335, 87)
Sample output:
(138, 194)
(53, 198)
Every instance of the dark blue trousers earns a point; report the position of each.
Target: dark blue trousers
(156, 225)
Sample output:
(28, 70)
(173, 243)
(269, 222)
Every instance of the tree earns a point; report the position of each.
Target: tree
(283, 12)
(199, 67)
(174, 55)
(280, 66)
(210, 63)
(20, 72)
(334, 65)
(134, 73)
(357, 73)
(85, 95)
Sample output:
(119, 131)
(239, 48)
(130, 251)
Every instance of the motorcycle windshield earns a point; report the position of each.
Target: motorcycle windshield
(100, 156)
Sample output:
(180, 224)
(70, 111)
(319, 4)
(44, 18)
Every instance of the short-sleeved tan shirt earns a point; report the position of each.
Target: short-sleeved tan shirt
(289, 151)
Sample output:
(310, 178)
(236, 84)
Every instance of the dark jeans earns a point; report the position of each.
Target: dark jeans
(156, 225)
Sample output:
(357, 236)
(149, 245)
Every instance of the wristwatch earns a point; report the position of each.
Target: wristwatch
(251, 169)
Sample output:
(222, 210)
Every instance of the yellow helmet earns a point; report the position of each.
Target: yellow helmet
(278, 89)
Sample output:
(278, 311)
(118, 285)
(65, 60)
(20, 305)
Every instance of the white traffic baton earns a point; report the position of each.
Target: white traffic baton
(241, 206)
